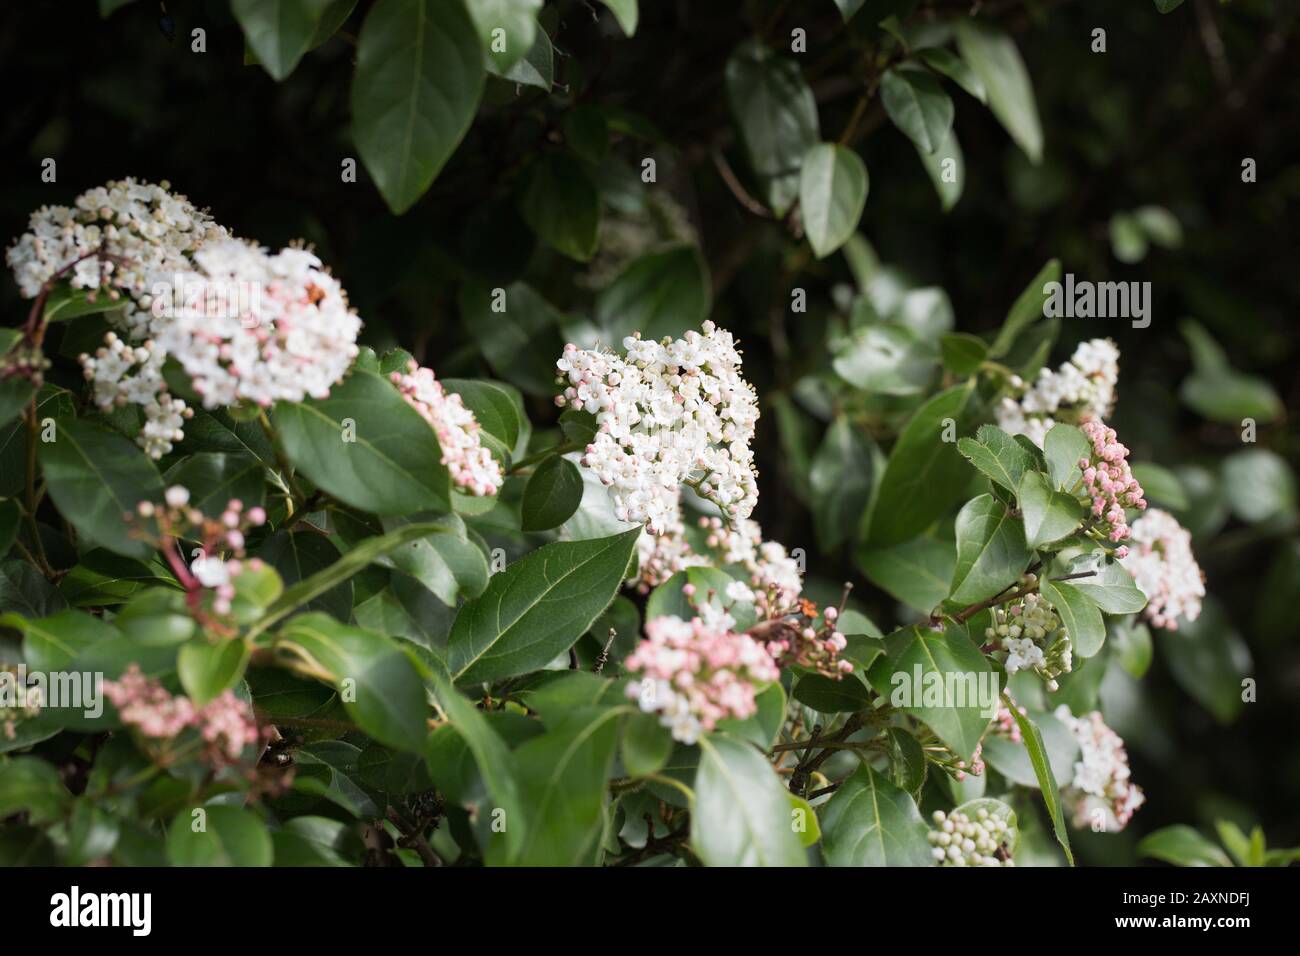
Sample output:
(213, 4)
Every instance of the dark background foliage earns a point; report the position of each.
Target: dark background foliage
(1165, 116)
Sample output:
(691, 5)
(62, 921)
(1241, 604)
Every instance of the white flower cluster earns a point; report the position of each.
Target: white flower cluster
(1163, 567)
(123, 374)
(961, 841)
(1100, 791)
(142, 229)
(472, 466)
(670, 412)
(247, 325)
(1034, 637)
(1084, 386)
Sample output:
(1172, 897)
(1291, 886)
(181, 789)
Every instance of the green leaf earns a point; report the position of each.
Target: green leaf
(15, 391)
(10, 517)
(742, 815)
(552, 495)
(996, 61)
(658, 293)
(1161, 486)
(206, 669)
(561, 205)
(998, 455)
(917, 572)
(517, 332)
(918, 106)
(493, 758)
(214, 478)
(1078, 613)
(962, 352)
(366, 446)
(1111, 589)
(828, 695)
(991, 550)
(229, 836)
(1168, 6)
(97, 477)
(1033, 739)
(918, 652)
(496, 407)
(646, 745)
(1063, 447)
(536, 68)
(536, 608)
(871, 822)
(51, 643)
(832, 193)
(1181, 845)
(1027, 309)
(298, 556)
(625, 12)
(1209, 660)
(942, 60)
(907, 762)
(841, 477)
(371, 549)
(1011, 758)
(925, 474)
(414, 92)
(1049, 515)
(1259, 486)
(563, 775)
(279, 31)
(446, 562)
(506, 28)
(946, 167)
(776, 114)
(376, 680)
(24, 589)
(32, 785)
(884, 359)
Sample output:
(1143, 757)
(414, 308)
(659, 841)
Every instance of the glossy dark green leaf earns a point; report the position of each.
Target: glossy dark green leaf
(1048, 515)
(214, 478)
(97, 477)
(552, 495)
(537, 607)
(206, 668)
(561, 205)
(871, 822)
(367, 447)
(218, 836)
(298, 556)
(742, 815)
(1182, 845)
(376, 679)
(991, 550)
(918, 106)
(506, 28)
(999, 456)
(1078, 613)
(279, 32)
(414, 92)
(993, 57)
(663, 292)
(1041, 763)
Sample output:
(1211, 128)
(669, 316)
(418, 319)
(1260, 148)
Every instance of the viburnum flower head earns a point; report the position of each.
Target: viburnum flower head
(251, 326)
(963, 839)
(472, 466)
(1101, 783)
(694, 674)
(670, 412)
(1162, 564)
(1080, 389)
(142, 229)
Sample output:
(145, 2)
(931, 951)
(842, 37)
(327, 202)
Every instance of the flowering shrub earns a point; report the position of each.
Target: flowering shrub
(464, 565)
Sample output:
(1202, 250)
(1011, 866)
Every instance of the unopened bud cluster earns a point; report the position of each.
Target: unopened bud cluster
(472, 467)
(220, 557)
(1033, 636)
(958, 840)
(694, 675)
(1108, 481)
(225, 724)
(21, 703)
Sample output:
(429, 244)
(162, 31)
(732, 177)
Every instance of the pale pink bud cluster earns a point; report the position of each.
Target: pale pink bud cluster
(1108, 480)
(472, 467)
(1164, 568)
(225, 723)
(975, 767)
(670, 413)
(1100, 791)
(220, 555)
(694, 675)
(1004, 723)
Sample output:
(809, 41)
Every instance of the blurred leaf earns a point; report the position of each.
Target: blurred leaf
(561, 205)
(946, 167)
(942, 60)
(279, 31)
(1209, 660)
(1181, 845)
(516, 23)
(665, 292)
(996, 61)
(1259, 485)
(917, 105)
(1027, 309)
(842, 475)
(916, 572)
(218, 836)
(832, 193)
(625, 12)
